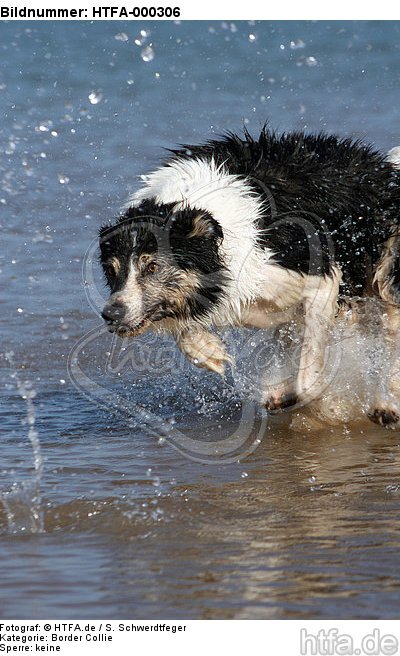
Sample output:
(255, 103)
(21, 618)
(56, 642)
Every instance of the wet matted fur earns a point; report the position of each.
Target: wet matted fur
(242, 231)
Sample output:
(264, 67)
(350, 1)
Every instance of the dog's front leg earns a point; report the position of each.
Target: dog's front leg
(320, 304)
(264, 314)
(203, 349)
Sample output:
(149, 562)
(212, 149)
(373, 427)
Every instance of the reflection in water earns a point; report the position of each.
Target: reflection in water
(311, 530)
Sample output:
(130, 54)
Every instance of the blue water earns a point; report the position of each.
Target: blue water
(306, 523)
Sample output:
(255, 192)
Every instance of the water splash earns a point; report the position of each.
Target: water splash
(357, 345)
(297, 44)
(23, 502)
(142, 37)
(147, 54)
(95, 97)
(121, 36)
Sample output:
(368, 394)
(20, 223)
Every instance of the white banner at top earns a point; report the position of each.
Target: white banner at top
(190, 10)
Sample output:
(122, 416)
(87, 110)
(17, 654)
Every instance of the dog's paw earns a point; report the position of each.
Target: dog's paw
(276, 403)
(212, 362)
(205, 350)
(385, 417)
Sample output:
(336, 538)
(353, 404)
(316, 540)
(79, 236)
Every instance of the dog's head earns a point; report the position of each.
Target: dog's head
(160, 264)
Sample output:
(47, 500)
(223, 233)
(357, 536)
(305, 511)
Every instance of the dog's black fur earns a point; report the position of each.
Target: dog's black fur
(343, 191)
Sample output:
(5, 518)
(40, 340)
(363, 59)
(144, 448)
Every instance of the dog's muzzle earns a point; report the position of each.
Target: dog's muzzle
(113, 314)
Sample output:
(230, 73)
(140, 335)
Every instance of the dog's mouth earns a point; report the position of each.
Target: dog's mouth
(126, 330)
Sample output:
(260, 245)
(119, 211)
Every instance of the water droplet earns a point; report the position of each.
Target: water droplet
(95, 97)
(312, 479)
(297, 44)
(308, 61)
(11, 148)
(142, 37)
(252, 37)
(121, 36)
(311, 61)
(244, 474)
(147, 54)
(63, 179)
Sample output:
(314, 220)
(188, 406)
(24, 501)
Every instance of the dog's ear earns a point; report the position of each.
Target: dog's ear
(205, 226)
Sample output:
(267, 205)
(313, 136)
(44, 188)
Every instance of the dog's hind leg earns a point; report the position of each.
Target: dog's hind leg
(320, 306)
(386, 408)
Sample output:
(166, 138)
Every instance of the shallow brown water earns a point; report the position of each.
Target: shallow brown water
(308, 526)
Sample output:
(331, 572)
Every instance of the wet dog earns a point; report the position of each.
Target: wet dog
(243, 232)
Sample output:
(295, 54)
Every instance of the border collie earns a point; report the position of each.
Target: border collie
(242, 232)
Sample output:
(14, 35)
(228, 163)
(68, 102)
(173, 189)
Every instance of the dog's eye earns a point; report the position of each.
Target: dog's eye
(152, 267)
(110, 271)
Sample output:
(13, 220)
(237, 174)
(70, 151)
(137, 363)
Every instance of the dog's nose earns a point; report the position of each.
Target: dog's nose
(114, 312)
